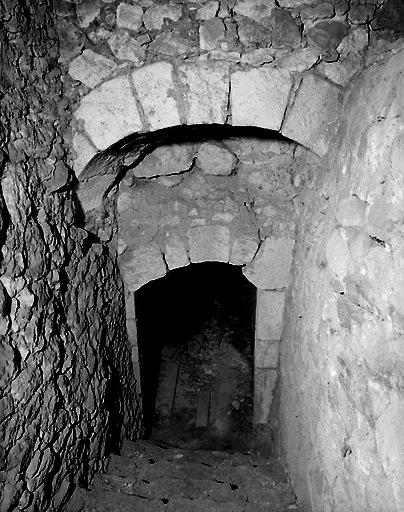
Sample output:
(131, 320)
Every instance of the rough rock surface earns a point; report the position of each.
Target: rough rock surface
(62, 345)
(342, 357)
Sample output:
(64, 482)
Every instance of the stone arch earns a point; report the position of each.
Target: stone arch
(303, 107)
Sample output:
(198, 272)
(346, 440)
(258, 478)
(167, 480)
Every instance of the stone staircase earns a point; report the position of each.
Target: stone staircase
(154, 476)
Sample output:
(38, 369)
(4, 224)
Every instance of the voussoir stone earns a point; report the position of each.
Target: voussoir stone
(312, 120)
(215, 159)
(259, 97)
(175, 253)
(270, 269)
(125, 47)
(209, 243)
(156, 91)
(243, 250)
(91, 68)
(205, 90)
(141, 265)
(109, 112)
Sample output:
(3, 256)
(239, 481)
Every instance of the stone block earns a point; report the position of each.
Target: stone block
(84, 150)
(171, 44)
(259, 97)
(125, 47)
(175, 253)
(351, 211)
(211, 33)
(141, 265)
(91, 68)
(209, 243)
(208, 11)
(156, 15)
(266, 353)
(165, 160)
(214, 158)
(87, 12)
(264, 385)
(269, 320)
(243, 250)
(270, 269)
(327, 35)
(313, 117)
(109, 112)
(285, 30)
(156, 92)
(129, 16)
(205, 90)
(254, 9)
(299, 60)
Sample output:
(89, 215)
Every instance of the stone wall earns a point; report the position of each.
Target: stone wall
(63, 347)
(230, 200)
(342, 406)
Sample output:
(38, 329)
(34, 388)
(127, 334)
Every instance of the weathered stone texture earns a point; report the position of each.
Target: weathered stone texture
(209, 243)
(259, 97)
(62, 346)
(205, 89)
(312, 120)
(141, 265)
(91, 68)
(270, 269)
(155, 88)
(342, 358)
(109, 112)
(269, 316)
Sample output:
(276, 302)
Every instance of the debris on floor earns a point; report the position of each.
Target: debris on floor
(153, 476)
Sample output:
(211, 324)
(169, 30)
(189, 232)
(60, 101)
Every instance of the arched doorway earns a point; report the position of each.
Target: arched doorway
(196, 348)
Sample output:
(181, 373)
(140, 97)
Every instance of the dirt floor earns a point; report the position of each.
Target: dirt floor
(153, 476)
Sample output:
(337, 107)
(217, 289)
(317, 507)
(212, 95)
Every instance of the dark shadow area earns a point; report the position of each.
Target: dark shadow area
(196, 346)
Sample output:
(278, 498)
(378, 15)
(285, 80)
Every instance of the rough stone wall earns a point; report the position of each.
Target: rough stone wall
(342, 405)
(61, 298)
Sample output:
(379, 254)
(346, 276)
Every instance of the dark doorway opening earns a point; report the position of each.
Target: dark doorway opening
(196, 347)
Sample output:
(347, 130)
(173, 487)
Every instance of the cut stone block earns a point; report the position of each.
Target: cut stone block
(90, 68)
(266, 353)
(254, 9)
(109, 112)
(141, 265)
(264, 385)
(175, 253)
(129, 16)
(243, 250)
(270, 269)
(165, 160)
(312, 120)
(156, 91)
(215, 159)
(205, 89)
(209, 243)
(84, 150)
(259, 97)
(269, 321)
